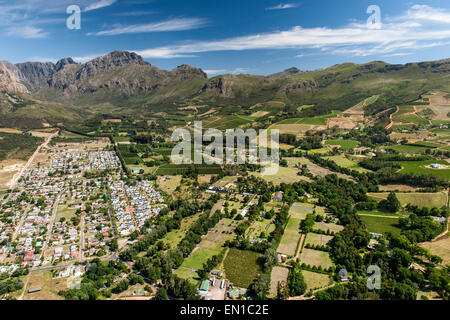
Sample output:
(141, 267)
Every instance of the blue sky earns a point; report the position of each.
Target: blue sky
(246, 36)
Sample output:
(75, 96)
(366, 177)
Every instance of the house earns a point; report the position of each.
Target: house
(343, 275)
(278, 195)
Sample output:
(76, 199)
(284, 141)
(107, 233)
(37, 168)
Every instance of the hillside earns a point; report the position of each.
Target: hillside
(123, 83)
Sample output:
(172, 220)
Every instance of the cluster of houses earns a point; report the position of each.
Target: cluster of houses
(122, 211)
(134, 204)
(86, 160)
(57, 215)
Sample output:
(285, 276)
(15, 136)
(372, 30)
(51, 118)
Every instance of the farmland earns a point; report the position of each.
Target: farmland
(430, 200)
(380, 224)
(315, 258)
(344, 144)
(289, 241)
(279, 274)
(242, 267)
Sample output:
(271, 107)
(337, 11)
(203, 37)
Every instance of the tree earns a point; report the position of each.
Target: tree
(161, 294)
(391, 204)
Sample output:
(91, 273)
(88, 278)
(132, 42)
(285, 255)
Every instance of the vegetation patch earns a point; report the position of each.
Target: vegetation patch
(242, 267)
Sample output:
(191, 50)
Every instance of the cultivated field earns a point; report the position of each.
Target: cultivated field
(279, 274)
(286, 175)
(300, 210)
(315, 258)
(440, 248)
(315, 280)
(242, 267)
(289, 241)
(381, 224)
(418, 199)
(328, 226)
(317, 239)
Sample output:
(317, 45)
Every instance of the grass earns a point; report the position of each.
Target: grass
(315, 258)
(258, 227)
(188, 274)
(419, 199)
(381, 225)
(279, 274)
(345, 144)
(300, 210)
(289, 241)
(199, 257)
(50, 287)
(242, 267)
(315, 280)
(420, 167)
(228, 122)
(174, 237)
(317, 239)
(344, 162)
(440, 248)
(328, 226)
(285, 174)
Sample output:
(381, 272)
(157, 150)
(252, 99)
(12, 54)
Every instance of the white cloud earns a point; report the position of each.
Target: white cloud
(26, 32)
(214, 72)
(282, 6)
(357, 39)
(427, 13)
(42, 59)
(100, 4)
(84, 59)
(169, 25)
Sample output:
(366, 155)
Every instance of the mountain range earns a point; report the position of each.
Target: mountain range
(124, 82)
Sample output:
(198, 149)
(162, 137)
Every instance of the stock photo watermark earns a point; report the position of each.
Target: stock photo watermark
(374, 277)
(73, 22)
(240, 147)
(374, 21)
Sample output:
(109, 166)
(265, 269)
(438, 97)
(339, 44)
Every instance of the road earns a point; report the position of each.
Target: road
(392, 121)
(50, 226)
(300, 247)
(16, 177)
(113, 226)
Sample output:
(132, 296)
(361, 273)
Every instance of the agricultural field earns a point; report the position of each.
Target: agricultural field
(328, 226)
(289, 241)
(418, 199)
(174, 169)
(317, 239)
(242, 267)
(315, 280)
(199, 256)
(315, 258)
(345, 145)
(169, 183)
(300, 210)
(381, 224)
(279, 274)
(286, 175)
(50, 286)
(440, 248)
(423, 167)
(258, 227)
(345, 162)
(227, 122)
